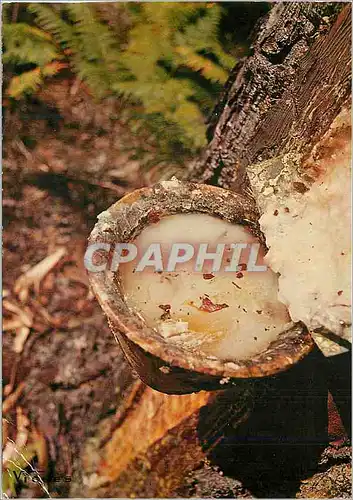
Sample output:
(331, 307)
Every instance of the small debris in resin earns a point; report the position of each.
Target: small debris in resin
(213, 312)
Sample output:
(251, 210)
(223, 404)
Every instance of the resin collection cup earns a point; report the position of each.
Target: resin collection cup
(167, 366)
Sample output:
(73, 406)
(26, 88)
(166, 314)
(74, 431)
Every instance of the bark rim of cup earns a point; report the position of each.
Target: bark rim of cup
(122, 222)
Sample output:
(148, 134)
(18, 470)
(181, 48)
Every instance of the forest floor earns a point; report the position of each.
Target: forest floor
(59, 173)
(65, 159)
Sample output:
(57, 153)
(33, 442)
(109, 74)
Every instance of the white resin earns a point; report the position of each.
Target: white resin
(310, 246)
(254, 316)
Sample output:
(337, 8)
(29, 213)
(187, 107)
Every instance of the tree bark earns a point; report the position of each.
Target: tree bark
(300, 64)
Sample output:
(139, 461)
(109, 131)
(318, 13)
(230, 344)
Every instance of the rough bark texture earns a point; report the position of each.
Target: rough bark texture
(283, 96)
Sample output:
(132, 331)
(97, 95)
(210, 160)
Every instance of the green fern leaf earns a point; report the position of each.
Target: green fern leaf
(51, 21)
(26, 83)
(26, 44)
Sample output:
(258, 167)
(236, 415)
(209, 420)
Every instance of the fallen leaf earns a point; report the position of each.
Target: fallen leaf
(20, 324)
(24, 314)
(20, 339)
(11, 324)
(34, 276)
(11, 400)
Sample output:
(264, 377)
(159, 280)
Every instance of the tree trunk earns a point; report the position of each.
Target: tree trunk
(283, 97)
(264, 440)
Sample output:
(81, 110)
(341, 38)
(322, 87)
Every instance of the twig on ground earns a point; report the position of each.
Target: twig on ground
(35, 275)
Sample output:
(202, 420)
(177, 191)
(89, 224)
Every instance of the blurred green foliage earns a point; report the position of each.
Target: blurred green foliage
(166, 58)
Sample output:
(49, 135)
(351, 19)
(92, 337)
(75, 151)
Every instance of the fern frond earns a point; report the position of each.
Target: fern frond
(26, 83)
(95, 76)
(190, 118)
(99, 55)
(205, 66)
(202, 96)
(26, 44)
(20, 31)
(97, 40)
(168, 60)
(202, 36)
(51, 21)
(173, 14)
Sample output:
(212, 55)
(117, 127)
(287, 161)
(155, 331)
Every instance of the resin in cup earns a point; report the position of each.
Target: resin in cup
(228, 315)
